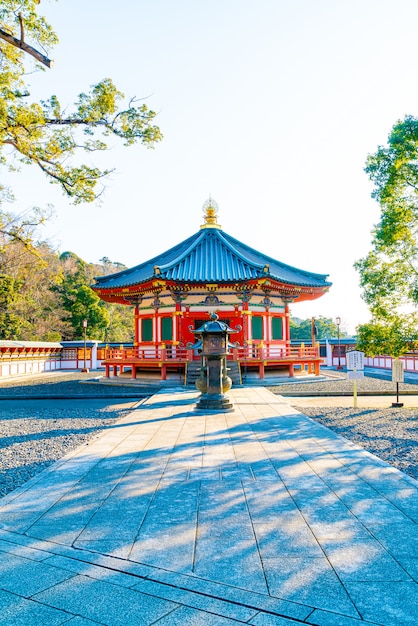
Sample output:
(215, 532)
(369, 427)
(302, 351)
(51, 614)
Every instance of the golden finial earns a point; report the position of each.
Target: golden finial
(210, 213)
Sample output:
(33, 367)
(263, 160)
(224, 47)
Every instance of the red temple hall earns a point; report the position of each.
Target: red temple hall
(175, 292)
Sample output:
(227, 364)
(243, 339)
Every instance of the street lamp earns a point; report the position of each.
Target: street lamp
(338, 322)
(85, 346)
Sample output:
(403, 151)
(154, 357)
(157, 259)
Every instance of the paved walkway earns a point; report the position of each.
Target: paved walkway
(172, 517)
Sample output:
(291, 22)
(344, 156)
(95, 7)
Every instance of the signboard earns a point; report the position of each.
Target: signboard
(355, 360)
(397, 371)
(354, 375)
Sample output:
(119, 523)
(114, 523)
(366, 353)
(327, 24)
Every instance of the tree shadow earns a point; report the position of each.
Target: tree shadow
(273, 505)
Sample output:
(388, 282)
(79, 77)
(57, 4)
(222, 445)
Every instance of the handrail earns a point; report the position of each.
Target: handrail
(250, 353)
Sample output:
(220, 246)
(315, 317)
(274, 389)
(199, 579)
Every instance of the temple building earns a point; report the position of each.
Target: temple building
(173, 293)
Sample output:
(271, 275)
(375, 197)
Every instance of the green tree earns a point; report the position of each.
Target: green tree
(11, 324)
(301, 330)
(23, 260)
(88, 306)
(44, 134)
(395, 337)
(106, 322)
(389, 273)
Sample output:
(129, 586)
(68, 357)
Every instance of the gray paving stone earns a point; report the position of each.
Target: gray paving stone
(105, 603)
(27, 577)
(22, 612)
(386, 602)
(266, 619)
(18, 550)
(310, 581)
(373, 510)
(400, 539)
(410, 565)
(169, 546)
(80, 621)
(258, 601)
(184, 615)
(91, 570)
(325, 618)
(110, 547)
(218, 505)
(199, 601)
(363, 560)
(245, 573)
(284, 538)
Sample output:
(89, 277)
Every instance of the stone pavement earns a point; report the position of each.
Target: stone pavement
(173, 517)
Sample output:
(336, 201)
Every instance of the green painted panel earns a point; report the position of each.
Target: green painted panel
(277, 328)
(166, 329)
(147, 329)
(257, 325)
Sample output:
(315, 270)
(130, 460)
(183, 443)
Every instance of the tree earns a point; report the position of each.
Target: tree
(301, 330)
(87, 305)
(44, 134)
(38, 305)
(106, 322)
(394, 337)
(10, 324)
(389, 273)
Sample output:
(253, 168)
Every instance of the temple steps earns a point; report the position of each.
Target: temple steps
(193, 373)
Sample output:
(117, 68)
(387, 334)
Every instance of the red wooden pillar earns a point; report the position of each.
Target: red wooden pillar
(136, 326)
(287, 327)
(177, 338)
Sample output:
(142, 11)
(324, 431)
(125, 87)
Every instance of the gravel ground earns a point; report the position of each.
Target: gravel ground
(389, 433)
(58, 384)
(35, 433)
(341, 384)
(32, 436)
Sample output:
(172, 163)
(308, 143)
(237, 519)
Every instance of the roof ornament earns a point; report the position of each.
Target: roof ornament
(210, 213)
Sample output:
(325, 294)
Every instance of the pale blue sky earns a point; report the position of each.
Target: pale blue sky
(270, 106)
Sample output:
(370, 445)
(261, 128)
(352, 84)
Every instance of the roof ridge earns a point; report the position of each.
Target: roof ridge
(180, 258)
(237, 253)
(275, 261)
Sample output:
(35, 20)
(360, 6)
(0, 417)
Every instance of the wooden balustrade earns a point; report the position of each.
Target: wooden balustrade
(172, 354)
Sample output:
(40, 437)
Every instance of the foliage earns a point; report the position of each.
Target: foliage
(44, 134)
(105, 322)
(394, 337)
(389, 273)
(53, 308)
(10, 324)
(301, 330)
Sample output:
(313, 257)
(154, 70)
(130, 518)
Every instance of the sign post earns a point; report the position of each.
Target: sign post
(397, 377)
(355, 370)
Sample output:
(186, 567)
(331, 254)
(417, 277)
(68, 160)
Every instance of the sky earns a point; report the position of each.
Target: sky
(270, 107)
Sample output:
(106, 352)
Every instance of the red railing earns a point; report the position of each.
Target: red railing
(173, 354)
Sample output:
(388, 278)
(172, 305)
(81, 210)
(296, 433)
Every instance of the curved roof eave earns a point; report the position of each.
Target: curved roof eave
(277, 268)
(234, 262)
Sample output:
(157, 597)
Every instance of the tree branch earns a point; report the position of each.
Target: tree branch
(22, 30)
(19, 43)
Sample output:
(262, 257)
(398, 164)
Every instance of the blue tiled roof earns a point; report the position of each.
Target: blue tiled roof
(213, 256)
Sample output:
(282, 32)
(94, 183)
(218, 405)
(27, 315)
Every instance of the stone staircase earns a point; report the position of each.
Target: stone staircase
(193, 373)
